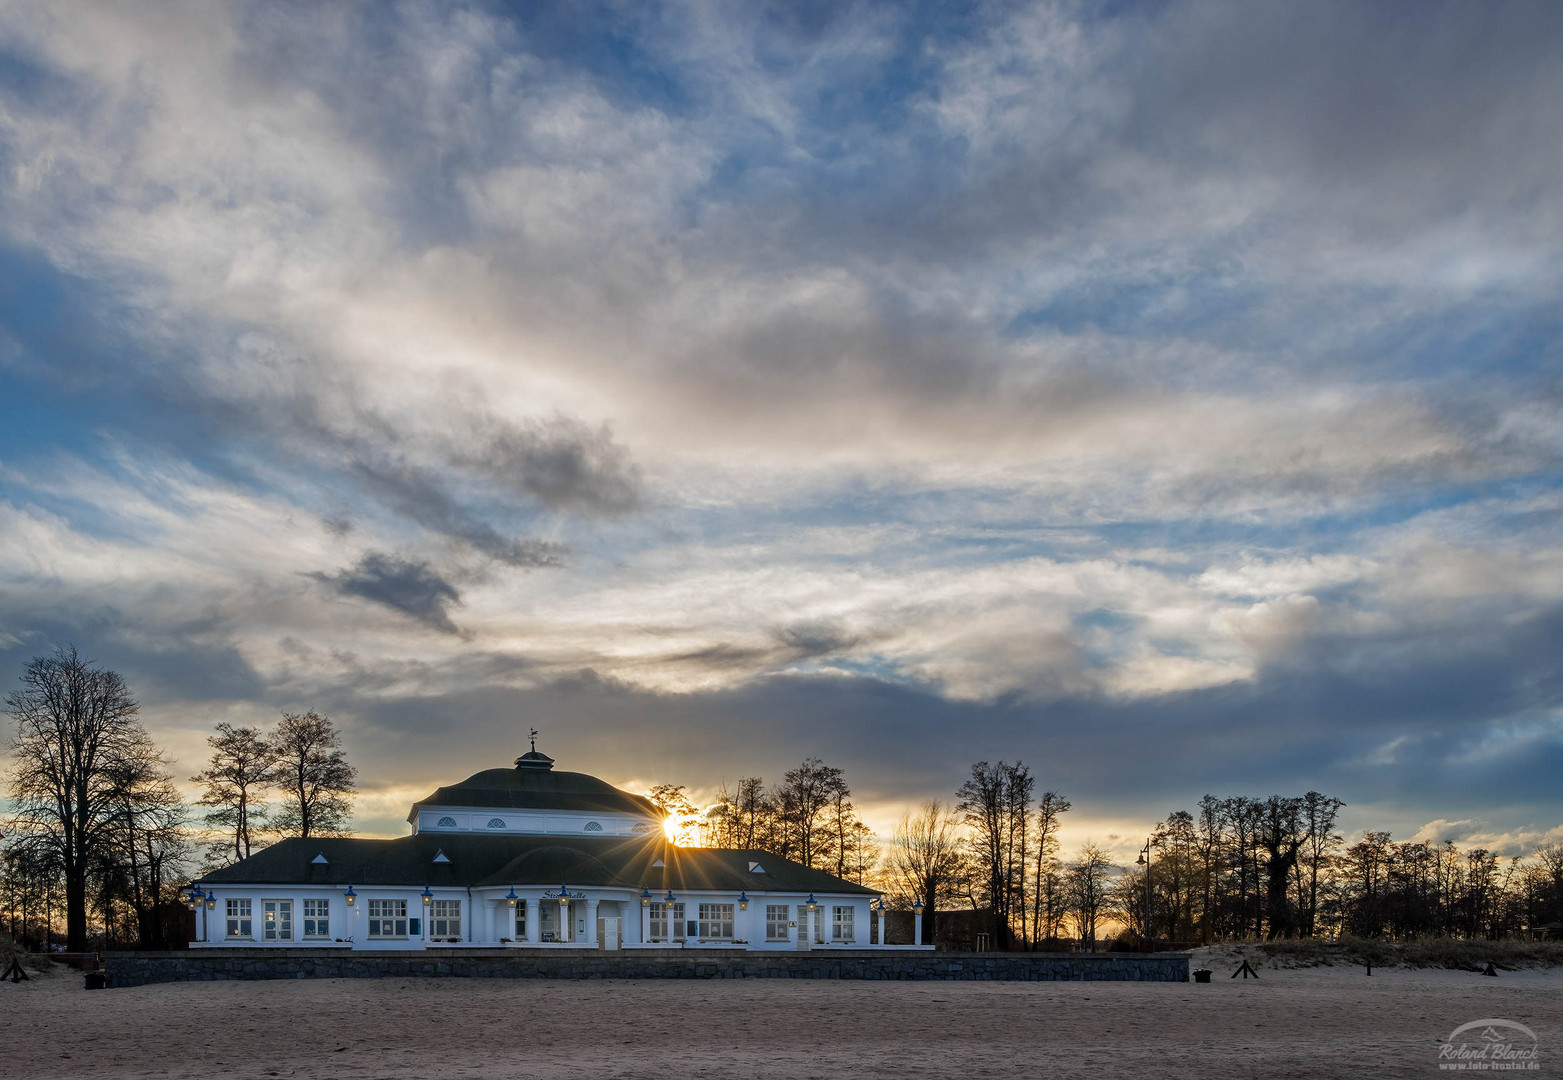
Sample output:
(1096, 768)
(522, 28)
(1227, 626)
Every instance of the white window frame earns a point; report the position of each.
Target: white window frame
(316, 919)
(777, 918)
(843, 917)
(715, 922)
(520, 920)
(240, 925)
(445, 919)
(395, 916)
(282, 928)
(659, 914)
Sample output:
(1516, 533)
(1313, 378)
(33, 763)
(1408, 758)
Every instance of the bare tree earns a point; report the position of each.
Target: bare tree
(1088, 894)
(1050, 808)
(75, 724)
(242, 769)
(925, 859)
(149, 840)
(313, 775)
(676, 807)
(1319, 848)
(804, 800)
(996, 804)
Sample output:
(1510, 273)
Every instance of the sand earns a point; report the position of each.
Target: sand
(1305, 1022)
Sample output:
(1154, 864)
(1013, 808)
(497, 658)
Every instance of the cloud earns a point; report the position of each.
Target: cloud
(410, 587)
(1023, 379)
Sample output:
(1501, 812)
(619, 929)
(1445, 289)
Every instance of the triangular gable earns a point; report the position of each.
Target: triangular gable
(320, 860)
(440, 856)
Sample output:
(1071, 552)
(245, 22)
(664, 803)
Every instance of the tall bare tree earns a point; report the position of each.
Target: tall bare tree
(234, 785)
(804, 800)
(1087, 883)
(926, 860)
(1050, 808)
(996, 804)
(313, 777)
(76, 723)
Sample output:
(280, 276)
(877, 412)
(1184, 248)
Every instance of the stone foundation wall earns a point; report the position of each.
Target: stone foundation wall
(139, 969)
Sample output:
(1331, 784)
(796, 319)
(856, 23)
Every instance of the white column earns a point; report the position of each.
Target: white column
(590, 941)
(917, 927)
(882, 928)
(534, 919)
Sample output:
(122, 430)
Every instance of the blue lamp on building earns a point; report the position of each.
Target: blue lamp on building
(195, 897)
(428, 897)
(645, 896)
(668, 899)
(350, 896)
(881, 905)
(812, 904)
(511, 897)
(211, 901)
(743, 901)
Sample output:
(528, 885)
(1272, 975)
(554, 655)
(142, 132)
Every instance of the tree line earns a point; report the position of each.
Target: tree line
(100, 834)
(1238, 868)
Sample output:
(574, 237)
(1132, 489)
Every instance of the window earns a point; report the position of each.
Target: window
(548, 921)
(445, 919)
(496, 823)
(317, 918)
(592, 826)
(239, 925)
(659, 922)
(387, 918)
(716, 922)
(520, 920)
(276, 920)
(841, 924)
(776, 922)
(445, 823)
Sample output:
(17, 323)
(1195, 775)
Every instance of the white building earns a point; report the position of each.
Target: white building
(529, 858)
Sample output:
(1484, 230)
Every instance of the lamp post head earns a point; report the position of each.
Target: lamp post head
(812, 904)
(350, 896)
(511, 897)
(1140, 861)
(743, 900)
(211, 900)
(669, 898)
(645, 896)
(917, 906)
(428, 897)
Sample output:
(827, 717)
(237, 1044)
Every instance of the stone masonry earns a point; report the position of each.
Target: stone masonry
(205, 965)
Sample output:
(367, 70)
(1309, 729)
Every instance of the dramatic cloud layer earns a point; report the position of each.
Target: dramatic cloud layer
(1165, 394)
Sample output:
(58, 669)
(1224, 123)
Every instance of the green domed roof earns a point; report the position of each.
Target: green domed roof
(529, 787)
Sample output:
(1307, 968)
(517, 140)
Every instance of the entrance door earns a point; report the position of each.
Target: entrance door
(608, 933)
(277, 920)
(805, 928)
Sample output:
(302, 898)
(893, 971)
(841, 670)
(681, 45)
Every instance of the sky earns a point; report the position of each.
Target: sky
(1164, 394)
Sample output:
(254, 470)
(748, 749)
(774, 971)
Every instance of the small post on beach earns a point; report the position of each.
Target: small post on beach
(1246, 971)
(16, 974)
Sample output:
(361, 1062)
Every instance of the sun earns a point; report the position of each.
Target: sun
(670, 829)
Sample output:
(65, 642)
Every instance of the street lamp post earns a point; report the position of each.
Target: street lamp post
(1145, 861)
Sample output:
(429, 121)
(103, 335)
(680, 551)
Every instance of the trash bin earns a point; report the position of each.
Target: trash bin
(97, 980)
(1201, 974)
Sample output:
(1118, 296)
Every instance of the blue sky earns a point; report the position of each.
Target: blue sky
(1165, 394)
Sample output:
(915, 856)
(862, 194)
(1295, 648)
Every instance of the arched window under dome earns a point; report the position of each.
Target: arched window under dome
(445, 823)
(496, 823)
(592, 826)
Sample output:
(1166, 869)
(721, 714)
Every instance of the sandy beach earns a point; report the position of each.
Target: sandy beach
(1303, 1022)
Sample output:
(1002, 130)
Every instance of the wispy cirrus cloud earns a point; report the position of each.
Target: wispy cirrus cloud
(1025, 366)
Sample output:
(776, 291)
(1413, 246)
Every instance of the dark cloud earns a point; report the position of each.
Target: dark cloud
(412, 588)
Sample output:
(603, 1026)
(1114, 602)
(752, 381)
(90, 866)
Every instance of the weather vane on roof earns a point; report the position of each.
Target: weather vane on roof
(534, 740)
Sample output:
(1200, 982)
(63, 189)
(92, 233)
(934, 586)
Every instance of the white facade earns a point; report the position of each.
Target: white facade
(382, 917)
